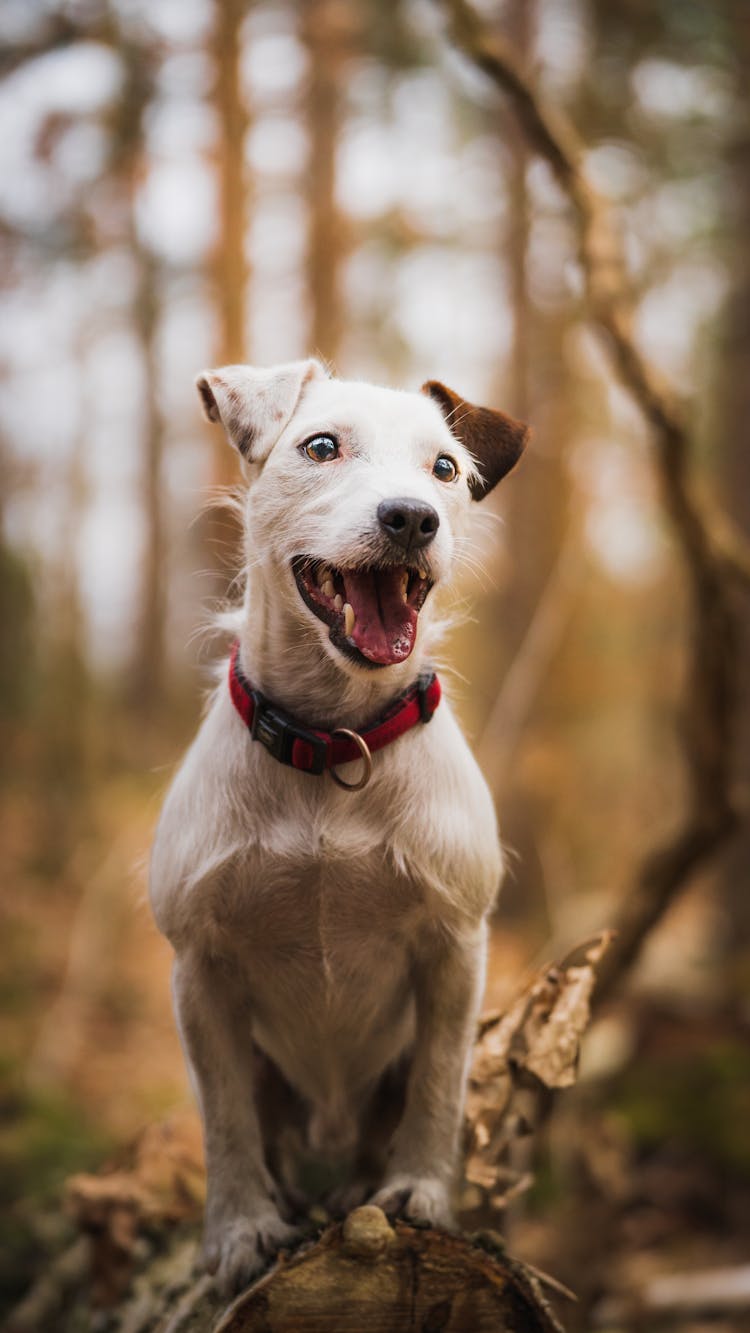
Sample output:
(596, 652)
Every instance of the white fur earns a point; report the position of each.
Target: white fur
(336, 930)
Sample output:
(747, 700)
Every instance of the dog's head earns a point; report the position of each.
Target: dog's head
(359, 496)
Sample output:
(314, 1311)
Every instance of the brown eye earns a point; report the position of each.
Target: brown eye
(321, 448)
(445, 468)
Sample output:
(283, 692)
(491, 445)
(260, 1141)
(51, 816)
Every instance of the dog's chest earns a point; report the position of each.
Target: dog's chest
(297, 904)
(324, 944)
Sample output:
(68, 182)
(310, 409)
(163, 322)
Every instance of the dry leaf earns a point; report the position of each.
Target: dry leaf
(160, 1182)
(539, 1035)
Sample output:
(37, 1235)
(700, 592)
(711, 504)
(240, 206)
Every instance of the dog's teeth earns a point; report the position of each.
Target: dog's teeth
(328, 587)
(338, 602)
(349, 619)
(404, 584)
(323, 576)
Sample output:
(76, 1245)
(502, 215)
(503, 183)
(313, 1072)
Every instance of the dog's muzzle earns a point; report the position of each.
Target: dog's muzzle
(371, 611)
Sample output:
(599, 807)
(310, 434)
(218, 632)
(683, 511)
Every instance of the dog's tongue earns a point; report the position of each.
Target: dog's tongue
(385, 625)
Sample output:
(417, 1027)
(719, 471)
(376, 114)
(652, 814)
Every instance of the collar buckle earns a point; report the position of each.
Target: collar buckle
(278, 734)
(270, 728)
(308, 751)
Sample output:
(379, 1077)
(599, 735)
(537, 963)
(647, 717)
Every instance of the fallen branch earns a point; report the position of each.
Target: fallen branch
(715, 556)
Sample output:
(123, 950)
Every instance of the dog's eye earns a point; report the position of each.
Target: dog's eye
(444, 468)
(321, 448)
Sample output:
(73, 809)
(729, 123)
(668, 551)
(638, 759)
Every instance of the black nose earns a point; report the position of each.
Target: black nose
(411, 524)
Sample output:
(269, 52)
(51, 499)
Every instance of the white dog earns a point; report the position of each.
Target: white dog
(328, 933)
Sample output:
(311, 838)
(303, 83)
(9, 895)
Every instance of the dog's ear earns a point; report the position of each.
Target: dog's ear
(495, 441)
(254, 406)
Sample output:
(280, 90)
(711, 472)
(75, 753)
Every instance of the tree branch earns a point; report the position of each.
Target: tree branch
(499, 741)
(713, 553)
(554, 138)
(55, 32)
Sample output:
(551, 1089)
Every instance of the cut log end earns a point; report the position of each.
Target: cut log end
(367, 1273)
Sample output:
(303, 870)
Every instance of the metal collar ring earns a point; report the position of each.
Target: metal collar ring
(364, 750)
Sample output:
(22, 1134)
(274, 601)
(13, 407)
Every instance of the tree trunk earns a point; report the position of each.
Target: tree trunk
(230, 271)
(734, 396)
(147, 684)
(323, 36)
(149, 665)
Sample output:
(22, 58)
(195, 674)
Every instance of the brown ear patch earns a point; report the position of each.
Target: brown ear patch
(494, 439)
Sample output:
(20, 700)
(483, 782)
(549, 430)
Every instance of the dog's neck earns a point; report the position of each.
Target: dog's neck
(282, 655)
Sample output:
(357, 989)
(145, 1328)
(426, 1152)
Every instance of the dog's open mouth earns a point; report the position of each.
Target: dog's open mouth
(371, 612)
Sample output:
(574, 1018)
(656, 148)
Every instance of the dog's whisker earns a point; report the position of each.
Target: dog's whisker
(470, 561)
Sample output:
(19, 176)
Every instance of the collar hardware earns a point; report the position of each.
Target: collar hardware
(277, 733)
(313, 751)
(366, 757)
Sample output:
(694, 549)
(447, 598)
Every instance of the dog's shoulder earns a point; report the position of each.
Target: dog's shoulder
(440, 818)
(202, 827)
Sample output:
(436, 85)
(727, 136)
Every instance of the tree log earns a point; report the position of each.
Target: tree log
(366, 1273)
(361, 1274)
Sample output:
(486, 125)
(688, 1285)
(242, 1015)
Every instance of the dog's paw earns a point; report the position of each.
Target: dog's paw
(417, 1199)
(238, 1251)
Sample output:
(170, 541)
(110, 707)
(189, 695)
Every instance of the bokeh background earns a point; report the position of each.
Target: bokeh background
(190, 182)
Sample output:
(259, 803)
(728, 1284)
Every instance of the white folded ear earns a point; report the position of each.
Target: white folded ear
(254, 406)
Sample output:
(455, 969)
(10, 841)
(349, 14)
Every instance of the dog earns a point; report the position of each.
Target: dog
(328, 853)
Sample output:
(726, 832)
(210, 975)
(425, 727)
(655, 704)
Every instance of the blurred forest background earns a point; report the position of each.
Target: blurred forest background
(191, 182)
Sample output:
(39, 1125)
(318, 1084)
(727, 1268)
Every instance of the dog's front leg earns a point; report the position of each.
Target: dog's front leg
(424, 1150)
(242, 1226)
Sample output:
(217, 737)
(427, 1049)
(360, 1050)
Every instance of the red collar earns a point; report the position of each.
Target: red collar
(314, 751)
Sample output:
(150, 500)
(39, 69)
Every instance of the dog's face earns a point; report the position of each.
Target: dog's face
(360, 496)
